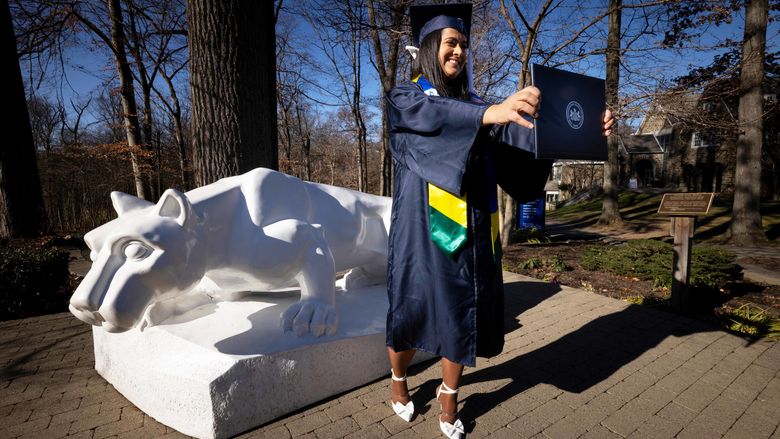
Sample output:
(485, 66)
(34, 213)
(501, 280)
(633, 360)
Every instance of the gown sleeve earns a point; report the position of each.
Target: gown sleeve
(517, 169)
(432, 136)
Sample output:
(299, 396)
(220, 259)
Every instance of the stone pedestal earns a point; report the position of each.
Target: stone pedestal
(226, 367)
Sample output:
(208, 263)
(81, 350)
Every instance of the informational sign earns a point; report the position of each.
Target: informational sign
(683, 208)
(686, 204)
(531, 215)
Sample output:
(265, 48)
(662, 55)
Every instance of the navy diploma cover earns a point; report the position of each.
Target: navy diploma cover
(570, 124)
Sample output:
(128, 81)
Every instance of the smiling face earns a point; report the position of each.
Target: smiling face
(453, 52)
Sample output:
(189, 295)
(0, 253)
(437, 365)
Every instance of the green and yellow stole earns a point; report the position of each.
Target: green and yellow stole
(448, 213)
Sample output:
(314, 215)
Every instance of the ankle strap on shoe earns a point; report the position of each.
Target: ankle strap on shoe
(446, 389)
(395, 378)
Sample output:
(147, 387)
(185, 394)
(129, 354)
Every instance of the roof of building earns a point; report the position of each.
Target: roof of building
(666, 111)
(641, 144)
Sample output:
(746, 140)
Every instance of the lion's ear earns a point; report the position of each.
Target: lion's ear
(176, 205)
(124, 203)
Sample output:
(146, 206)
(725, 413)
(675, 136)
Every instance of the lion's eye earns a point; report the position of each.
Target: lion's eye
(137, 251)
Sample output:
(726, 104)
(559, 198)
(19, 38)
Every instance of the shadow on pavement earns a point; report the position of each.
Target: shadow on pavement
(519, 296)
(582, 358)
(24, 365)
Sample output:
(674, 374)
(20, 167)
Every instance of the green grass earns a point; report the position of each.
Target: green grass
(638, 211)
(631, 204)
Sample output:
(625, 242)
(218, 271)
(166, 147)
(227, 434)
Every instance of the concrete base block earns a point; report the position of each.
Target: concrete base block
(226, 366)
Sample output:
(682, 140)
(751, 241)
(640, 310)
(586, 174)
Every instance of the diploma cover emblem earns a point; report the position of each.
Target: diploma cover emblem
(574, 115)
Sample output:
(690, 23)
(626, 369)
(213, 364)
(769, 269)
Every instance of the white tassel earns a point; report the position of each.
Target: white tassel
(412, 51)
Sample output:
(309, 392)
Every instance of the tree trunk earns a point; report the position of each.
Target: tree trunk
(307, 156)
(146, 92)
(287, 143)
(386, 174)
(22, 213)
(507, 214)
(746, 215)
(357, 111)
(305, 138)
(178, 133)
(610, 212)
(387, 74)
(233, 87)
(127, 93)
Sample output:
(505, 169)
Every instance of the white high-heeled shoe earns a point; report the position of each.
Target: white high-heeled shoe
(455, 430)
(404, 411)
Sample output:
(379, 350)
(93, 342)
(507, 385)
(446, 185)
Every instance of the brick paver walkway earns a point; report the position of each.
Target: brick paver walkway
(576, 364)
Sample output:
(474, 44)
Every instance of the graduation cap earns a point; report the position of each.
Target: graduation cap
(428, 18)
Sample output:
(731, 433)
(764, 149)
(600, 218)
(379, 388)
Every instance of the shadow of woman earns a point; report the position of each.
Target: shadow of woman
(520, 296)
(580, 359)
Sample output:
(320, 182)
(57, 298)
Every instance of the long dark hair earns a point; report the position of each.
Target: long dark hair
(427, 64)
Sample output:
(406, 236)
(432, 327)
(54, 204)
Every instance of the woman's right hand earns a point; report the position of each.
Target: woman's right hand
(524, 102)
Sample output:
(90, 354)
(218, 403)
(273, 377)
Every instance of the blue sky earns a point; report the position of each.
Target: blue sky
(87, 68)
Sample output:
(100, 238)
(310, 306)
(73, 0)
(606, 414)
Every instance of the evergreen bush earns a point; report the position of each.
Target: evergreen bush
(33, 281)
(652, 260)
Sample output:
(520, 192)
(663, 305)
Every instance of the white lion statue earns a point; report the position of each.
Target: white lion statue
(260, 231)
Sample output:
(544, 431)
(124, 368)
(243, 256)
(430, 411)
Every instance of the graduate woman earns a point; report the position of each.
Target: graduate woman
(450, 149)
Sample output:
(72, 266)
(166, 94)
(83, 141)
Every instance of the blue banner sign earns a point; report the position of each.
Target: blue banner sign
(531, 215)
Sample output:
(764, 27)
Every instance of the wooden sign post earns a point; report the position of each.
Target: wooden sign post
(683, 208)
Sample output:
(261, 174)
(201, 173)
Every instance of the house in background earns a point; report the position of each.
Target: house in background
(644, 157)
(572, 177)
(684, 143)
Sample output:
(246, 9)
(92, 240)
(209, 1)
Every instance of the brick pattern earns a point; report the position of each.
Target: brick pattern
(575, 365)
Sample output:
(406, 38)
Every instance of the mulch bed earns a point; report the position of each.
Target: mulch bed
(731, 295)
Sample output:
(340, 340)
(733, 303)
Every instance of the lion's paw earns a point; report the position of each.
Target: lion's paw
(310, 315)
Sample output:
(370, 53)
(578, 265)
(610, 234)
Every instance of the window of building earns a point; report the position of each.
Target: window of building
(556, 173)
(664, 141)
(703, 139)
(551, 200)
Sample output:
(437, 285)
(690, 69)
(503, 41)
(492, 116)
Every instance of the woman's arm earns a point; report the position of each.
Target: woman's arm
(526, 103)
(432, 136)
(523, 103)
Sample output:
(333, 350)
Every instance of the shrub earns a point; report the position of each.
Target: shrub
(652, 260)
(750, 320)
(531, 235)
(33, 281)
(649, 301)
(711, 267)
(644, 259)
(555, 264)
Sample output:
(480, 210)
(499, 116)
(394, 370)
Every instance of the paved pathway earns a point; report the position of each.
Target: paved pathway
(576, 364)
(752, 272)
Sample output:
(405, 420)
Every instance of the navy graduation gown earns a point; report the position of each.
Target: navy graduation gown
(450, 306)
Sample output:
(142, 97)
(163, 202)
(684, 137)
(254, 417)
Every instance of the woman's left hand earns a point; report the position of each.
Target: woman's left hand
(608, 122)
